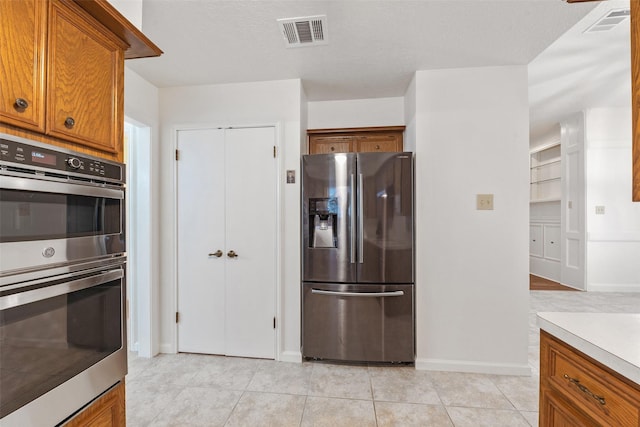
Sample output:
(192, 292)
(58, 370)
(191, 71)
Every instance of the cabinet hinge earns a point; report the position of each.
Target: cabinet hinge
(274, 323)
(177, 317)
(274, 151)
(177, 155)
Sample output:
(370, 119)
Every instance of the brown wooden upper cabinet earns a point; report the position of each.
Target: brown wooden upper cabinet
(322, 141)
(62, 72)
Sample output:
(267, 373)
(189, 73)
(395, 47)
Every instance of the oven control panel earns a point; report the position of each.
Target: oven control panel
(16, 153)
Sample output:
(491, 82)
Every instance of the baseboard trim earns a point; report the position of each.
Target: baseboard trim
(291, 356)
(473, 367)
(613, 287)
(167, 348)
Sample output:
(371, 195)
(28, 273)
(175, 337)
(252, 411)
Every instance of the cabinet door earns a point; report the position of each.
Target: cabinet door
(379, 142)
(552, 242)
(319, 144)
(22, 37)
(556, 412)
(107, 411)
(84, 80)
(535, 240)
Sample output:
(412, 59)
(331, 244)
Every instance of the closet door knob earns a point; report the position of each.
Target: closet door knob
(232, 254)
(216, 254)
(69, 123)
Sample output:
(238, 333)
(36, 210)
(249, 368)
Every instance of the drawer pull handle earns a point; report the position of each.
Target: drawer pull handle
(585, 390)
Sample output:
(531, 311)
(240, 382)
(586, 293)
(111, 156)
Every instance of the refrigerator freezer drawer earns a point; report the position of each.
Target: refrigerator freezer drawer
(367, 323)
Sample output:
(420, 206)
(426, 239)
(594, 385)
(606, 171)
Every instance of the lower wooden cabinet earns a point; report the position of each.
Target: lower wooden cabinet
(106, 411)
(576, 390)
(381, 139)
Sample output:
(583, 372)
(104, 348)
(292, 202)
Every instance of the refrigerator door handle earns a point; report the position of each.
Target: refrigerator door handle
(358, 294)
(360, 221)
(353, 220)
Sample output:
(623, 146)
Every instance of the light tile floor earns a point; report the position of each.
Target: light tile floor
(200, 390)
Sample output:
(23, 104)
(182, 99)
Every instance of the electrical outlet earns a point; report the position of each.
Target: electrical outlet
(484, 202)
(599, 210)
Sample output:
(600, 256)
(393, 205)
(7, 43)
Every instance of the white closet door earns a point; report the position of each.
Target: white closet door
(201, 231)
(227, 202)
(251, 233)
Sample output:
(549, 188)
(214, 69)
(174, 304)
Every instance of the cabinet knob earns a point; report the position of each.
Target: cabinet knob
(377, 147)
(333, 148)
(21, 104)
(69, 123)
(232, 254)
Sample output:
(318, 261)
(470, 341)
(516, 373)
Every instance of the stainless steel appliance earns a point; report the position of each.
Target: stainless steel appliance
(62, 281)
(358, 257)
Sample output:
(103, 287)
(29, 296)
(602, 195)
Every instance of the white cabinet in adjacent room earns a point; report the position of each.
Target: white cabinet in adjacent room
(551, 242)
(544, 243)
(535, 240)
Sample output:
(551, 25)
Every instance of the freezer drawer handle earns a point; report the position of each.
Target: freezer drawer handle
(359, 294)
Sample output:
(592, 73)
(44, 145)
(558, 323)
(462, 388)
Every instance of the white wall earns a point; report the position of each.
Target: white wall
(130, 9)
(258, 103)
(356, 113)
(472, 286)
(141, 106)
(613, 239)
(410, 116)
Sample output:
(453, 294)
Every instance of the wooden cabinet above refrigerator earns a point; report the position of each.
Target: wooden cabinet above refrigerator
(346, 140)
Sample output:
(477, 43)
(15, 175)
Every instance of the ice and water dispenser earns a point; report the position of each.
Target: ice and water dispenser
(323, 222)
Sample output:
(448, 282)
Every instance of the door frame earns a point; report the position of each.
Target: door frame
(278, 214)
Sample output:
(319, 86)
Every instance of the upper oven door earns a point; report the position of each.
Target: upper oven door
(48, 222)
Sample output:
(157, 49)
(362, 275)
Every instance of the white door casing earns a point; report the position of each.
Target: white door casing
(227, 304)
(573, 227)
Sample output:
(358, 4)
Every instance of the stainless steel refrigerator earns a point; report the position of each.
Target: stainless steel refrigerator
(358, 257)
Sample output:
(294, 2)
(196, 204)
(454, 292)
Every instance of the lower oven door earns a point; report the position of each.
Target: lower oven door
(366, 323)
(62, 343)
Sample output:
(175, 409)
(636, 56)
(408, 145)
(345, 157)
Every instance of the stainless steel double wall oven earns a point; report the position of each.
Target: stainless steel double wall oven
(62, 281)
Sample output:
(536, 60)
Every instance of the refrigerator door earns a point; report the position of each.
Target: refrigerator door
(385, 218)
(328, 223)
(367, 323)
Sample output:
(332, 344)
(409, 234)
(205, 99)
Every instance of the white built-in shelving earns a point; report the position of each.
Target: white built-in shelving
(545, 173)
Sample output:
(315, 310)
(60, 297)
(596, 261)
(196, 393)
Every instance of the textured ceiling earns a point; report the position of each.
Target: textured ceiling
(581, 70)
(374, 46)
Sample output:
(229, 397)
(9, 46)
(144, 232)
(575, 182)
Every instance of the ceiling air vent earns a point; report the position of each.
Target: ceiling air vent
(609, 21)
(304, 31)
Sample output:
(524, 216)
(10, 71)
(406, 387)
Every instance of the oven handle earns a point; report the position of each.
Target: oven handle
(46, 186)
(34, 295)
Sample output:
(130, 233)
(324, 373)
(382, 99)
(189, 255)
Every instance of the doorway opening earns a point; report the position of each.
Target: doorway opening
(137, 154)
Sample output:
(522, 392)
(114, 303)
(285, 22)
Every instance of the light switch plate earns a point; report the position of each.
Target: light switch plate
(484, 202)
(599, 210)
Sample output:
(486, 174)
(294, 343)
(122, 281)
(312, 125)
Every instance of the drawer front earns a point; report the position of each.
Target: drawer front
(592, 389)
